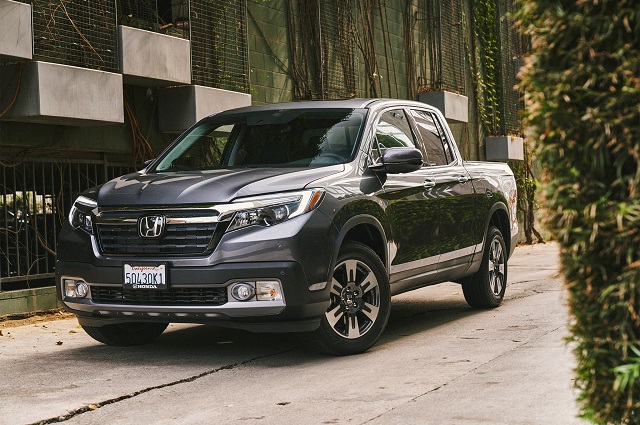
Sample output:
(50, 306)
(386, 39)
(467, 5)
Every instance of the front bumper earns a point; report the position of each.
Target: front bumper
(297, 254)
(300, 310)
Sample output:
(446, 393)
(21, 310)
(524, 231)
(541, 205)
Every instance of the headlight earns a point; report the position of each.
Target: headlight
(80, 214)
(273, 209)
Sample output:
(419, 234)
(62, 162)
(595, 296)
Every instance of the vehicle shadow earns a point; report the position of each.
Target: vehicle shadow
(210, 346)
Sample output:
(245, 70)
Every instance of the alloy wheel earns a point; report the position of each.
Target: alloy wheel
(355, 299)
(496, 267)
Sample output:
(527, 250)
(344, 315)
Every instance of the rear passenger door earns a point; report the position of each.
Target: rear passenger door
(452, 187)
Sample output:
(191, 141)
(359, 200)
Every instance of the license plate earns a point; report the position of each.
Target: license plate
(145, 276)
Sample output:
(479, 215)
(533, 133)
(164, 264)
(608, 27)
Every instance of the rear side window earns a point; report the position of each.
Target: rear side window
(432, 137)
(446, 144)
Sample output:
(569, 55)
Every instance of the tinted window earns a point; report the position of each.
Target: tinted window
(392, 131)
(286, 138)
(445, 140)
(433, 148)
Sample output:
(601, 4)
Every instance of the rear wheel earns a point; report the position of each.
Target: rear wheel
(486, 288)
(126, 334)
(360, 304)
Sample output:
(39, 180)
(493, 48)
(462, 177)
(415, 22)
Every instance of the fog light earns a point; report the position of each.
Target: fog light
(75, 288)
(82, 289)
(69, 287)
(268, 291)
(242, 291)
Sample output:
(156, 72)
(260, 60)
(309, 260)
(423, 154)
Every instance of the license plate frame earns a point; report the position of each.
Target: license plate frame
(145, 276)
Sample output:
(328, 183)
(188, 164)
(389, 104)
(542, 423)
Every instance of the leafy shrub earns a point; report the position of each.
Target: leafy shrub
(582, 85)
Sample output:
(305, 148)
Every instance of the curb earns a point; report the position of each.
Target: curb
(28, 301)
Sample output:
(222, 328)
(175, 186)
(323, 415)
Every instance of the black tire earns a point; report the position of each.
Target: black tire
(126, 334)
(486, 288)
(360, 304)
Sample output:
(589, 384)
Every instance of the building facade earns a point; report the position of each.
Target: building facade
(90, 90)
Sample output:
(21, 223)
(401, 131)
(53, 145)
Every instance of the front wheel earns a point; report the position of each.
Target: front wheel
(486, 288)
(360, 304)
(126, 334)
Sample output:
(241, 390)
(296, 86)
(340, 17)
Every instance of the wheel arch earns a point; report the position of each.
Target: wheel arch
(367, 230)
(499, 217)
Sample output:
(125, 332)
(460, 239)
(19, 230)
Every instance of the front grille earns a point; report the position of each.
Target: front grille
(179, 239)
(171, 296)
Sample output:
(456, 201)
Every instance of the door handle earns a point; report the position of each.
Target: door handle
(463, 179)
(428, 184)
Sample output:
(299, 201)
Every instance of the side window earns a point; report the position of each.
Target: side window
(445, 141)
(392, 131)
(432, 139)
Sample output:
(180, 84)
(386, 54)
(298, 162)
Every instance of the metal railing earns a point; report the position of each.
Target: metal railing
(35, 199)
(75, 32)
(512, 101)
(170, 18)
(219, 56)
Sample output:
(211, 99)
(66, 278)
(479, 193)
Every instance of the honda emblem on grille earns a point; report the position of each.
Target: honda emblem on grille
(151, 226)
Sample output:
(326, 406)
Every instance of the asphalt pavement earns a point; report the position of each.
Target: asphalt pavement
(439, 362)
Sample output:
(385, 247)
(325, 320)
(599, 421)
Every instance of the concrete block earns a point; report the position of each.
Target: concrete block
(279, 80)
(28, 300)
(504, 147)
(257, 60)
(454, 107)
(151, 59)
(51, 93)
(16, 41)
(181, 107)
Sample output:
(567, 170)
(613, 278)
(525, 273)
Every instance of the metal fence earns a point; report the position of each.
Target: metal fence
(35, 198)
(141, 14)
(512, 103)
(338, 50)
(166, 17)
(76, 32)
(452, 36)
(441, 37)
(219, 44)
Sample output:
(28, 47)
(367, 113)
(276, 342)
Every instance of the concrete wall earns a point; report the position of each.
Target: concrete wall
(181, 107)
(40, 299)
(87, 142)
(270, 68)
(269, 52)
(393, 72)
(15, 31)
(270, 64)
(50, 93)
(151, 59)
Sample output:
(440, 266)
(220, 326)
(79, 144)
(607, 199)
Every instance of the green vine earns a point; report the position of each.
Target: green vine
(488, 67)
(487, 77)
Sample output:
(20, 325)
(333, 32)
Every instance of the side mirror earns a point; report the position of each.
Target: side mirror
(399, 160)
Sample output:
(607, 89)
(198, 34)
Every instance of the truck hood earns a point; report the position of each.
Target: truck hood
(207, 187)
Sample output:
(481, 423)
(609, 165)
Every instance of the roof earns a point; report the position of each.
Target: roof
(322, 104)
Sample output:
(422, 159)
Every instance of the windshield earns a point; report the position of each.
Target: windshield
(285, 138)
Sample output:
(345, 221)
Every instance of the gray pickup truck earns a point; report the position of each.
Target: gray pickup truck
(298, 217)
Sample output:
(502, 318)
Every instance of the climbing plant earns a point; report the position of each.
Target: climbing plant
(487, 65)
(486, 74)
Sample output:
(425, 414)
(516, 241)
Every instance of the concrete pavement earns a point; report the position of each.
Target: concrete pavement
(439, 362)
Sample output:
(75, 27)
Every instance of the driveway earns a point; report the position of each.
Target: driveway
(439, 362)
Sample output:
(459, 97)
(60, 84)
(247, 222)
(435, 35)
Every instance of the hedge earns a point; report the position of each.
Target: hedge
(582, 94)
